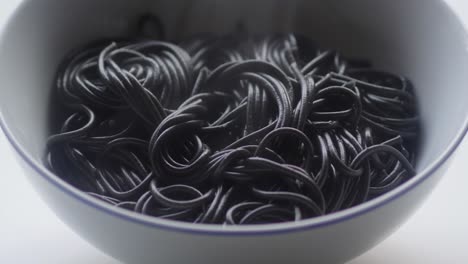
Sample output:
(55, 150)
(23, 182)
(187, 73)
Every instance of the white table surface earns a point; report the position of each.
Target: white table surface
(31, 233)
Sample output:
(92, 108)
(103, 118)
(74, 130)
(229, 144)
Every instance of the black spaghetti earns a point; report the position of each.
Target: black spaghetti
(230, 130)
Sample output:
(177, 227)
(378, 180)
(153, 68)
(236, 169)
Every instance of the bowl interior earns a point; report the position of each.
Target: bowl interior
(424, 42)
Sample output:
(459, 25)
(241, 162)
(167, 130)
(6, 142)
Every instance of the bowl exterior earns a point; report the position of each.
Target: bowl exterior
(137, 242)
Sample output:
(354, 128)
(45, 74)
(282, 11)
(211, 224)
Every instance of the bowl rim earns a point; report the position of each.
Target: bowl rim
(247, 230)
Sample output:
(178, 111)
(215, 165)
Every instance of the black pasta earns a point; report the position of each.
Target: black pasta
(231, 130)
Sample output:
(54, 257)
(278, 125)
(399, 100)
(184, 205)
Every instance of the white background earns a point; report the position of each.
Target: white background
(30, 232)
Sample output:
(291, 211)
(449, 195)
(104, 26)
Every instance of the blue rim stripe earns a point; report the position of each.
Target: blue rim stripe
(198, 229)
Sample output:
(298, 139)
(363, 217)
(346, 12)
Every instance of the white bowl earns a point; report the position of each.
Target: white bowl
(424, 40)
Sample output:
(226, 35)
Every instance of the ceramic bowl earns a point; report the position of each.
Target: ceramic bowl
(423, 40)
